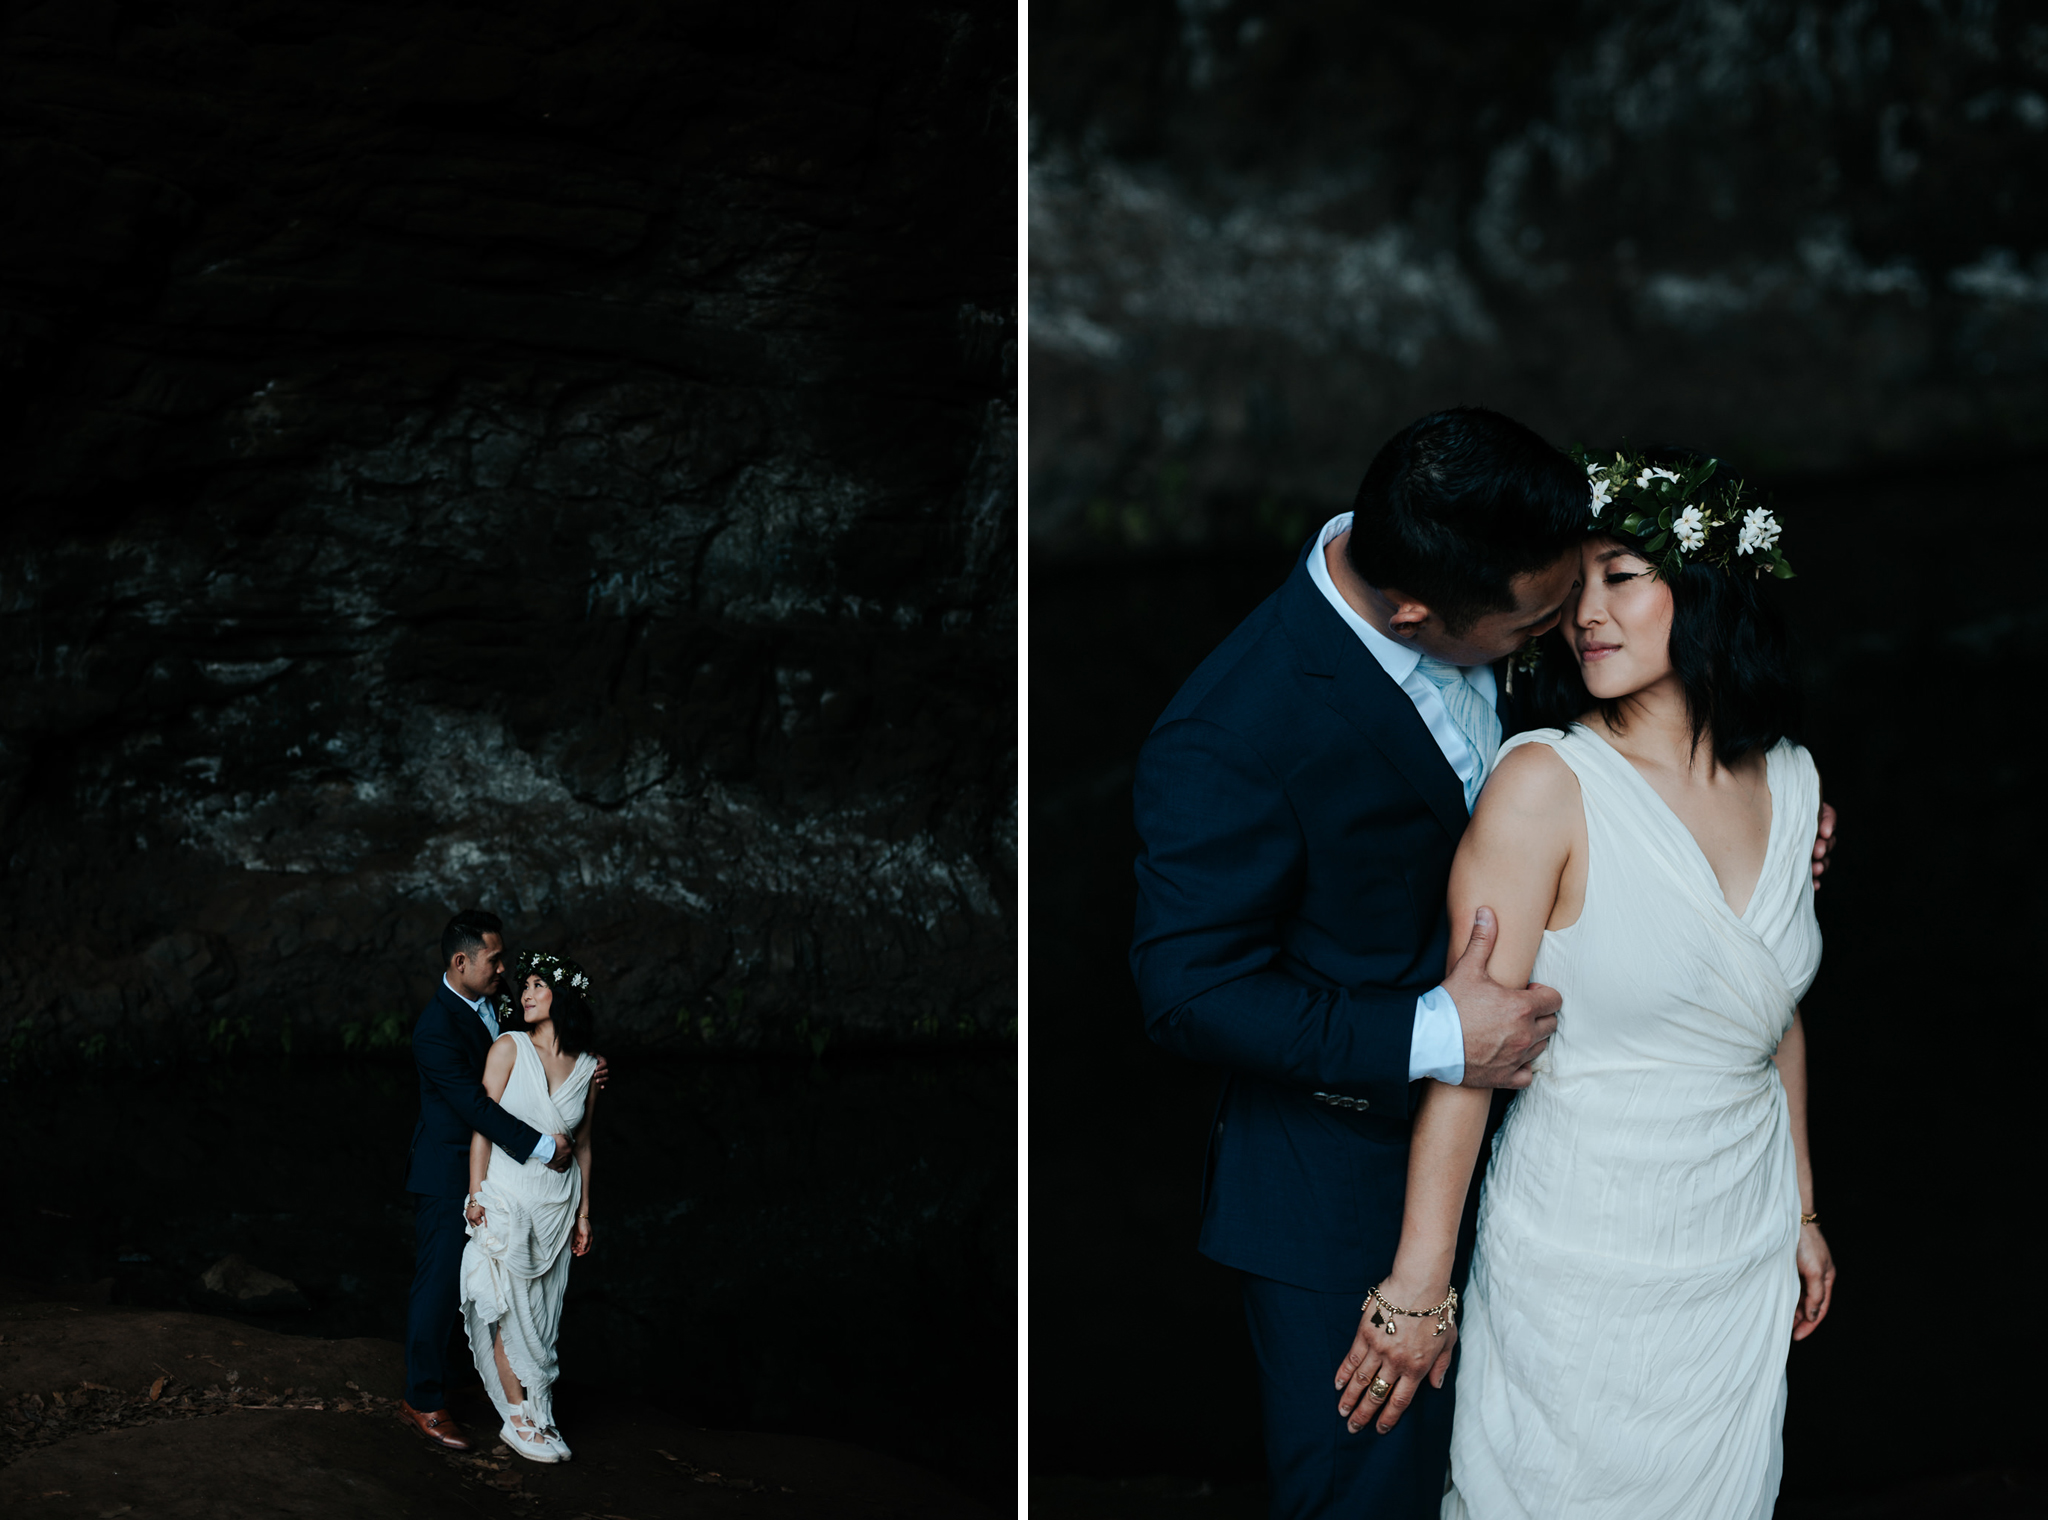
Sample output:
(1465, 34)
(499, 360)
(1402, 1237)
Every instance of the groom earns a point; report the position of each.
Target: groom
(1298, 805)
(450, 1040)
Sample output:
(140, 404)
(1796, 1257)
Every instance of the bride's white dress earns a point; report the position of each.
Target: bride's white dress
(1631, 1296)
(516, 1265)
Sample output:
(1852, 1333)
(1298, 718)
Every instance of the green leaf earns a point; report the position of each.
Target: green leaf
(1658, 542)
(1782, 571)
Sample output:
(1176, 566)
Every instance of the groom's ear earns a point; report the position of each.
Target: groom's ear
(1408, 615)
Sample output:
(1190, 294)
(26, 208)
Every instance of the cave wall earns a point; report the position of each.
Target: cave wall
(1808, 237)
(557, 457)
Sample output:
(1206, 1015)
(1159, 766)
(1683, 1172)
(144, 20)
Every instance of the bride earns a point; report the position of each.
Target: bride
(525, 1221)
(1647, 1243)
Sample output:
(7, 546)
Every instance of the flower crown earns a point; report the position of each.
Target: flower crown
(557, 971)
(1685, 515)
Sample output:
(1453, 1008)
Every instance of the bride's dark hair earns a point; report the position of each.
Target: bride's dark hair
(1729, 649)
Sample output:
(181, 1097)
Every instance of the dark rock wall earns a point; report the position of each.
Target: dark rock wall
(553, 456)
(1809, 237)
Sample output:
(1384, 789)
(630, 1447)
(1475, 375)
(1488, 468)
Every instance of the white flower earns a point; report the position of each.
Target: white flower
(1759, 532)
(582, 982)
(1691, 529)
(1603, 493)
(1655, 472)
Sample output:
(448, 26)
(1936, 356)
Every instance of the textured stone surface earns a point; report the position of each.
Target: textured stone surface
(1808, 237)
(558, 457)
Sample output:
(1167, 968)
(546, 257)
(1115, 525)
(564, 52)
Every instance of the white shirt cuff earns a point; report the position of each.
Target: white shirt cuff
(1437, 1048)
(545, 1151)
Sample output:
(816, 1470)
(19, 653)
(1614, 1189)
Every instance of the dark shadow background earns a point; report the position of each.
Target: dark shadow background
(1217, 350)
(552, 456)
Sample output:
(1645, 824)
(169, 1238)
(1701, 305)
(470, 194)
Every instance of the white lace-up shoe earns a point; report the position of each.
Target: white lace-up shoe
(531, 1444)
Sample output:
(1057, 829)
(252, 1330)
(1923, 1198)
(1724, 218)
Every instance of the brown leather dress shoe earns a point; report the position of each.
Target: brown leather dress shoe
(438, 1427)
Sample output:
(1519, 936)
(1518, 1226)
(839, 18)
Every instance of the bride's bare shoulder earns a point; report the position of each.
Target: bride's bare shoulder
(1532, 780)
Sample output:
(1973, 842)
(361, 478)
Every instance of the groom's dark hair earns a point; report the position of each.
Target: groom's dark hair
(466, 931)
(1459, 503)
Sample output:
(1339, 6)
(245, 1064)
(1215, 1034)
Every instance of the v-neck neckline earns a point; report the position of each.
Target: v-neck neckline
(1700, 854)
(552, 1088)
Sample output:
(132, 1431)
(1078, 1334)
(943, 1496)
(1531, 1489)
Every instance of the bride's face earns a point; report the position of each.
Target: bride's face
(537, 998)
(1620, 626)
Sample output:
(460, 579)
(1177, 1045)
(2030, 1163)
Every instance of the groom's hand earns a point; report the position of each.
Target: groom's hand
(1823, 843)
(1505, 1027)
(563, 1155)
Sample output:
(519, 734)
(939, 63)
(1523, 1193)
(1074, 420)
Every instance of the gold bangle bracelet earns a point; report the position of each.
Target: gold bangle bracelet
(1806, 1219)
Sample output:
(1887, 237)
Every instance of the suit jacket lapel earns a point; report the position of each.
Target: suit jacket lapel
(1365, 696)
(465, 1016)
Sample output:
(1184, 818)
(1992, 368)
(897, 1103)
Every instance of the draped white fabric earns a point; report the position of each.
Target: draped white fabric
(516, 1265)
(1631, 1297)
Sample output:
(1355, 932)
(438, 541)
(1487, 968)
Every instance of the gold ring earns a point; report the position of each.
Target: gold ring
(1379, 1389)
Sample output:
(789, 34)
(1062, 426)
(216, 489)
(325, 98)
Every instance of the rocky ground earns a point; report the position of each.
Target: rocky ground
(737, 1201)
(107, 1412)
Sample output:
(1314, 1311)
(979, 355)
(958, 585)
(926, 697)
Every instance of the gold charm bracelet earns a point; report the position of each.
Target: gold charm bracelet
(1445, 1314)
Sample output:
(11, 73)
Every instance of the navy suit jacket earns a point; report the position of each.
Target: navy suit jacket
(1296, 825)
(449, 1046)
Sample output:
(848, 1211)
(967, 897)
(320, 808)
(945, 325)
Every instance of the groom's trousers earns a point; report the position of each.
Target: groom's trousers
(1315, 1468)
(438, 1239)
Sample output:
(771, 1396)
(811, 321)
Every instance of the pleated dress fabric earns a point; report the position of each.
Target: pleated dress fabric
(515, 1268)
(1631, 1295)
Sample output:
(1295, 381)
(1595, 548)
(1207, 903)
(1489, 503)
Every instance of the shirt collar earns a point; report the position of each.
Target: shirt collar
(476, 1003)
(1396, 658)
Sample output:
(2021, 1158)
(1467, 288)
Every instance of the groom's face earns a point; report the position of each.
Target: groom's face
(1539, 595)
(477, 972)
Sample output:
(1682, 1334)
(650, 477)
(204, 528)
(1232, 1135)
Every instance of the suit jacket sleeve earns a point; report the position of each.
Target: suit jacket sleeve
(1220, 864)
(443, 1062)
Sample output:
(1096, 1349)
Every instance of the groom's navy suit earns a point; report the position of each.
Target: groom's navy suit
(449, 1046)
(1297, 824)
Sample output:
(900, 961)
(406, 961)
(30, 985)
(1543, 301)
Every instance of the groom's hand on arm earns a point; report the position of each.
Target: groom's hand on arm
(1505, 1028)
(1823, 843)
(560, 1158)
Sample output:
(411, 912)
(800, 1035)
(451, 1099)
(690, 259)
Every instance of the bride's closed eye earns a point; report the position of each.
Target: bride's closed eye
(1616, 577)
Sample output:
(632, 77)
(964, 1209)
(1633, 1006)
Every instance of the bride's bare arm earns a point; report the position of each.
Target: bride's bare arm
(581, 1244)
(1513, 865)
(497, 1072)
(1816, 1263)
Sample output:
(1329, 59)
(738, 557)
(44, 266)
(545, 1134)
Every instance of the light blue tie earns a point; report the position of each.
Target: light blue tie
(1471, 713)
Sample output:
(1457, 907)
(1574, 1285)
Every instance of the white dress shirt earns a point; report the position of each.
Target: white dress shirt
(544, 1152)
(1437, 1046)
